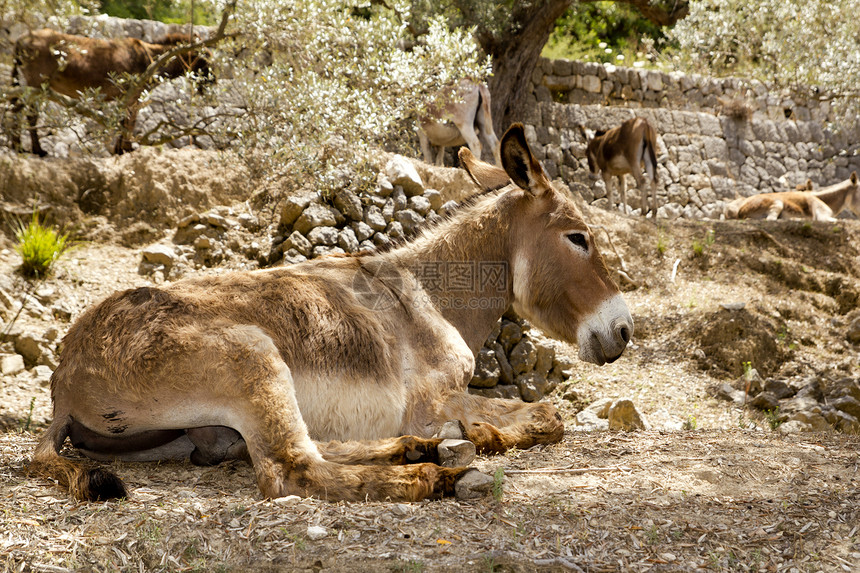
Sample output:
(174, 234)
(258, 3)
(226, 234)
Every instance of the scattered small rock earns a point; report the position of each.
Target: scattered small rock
(623, 415)
(11, 364)
(473, 484)
(316, 532)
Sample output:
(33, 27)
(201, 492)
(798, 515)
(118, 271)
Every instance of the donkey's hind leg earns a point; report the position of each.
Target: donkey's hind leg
(495, 425)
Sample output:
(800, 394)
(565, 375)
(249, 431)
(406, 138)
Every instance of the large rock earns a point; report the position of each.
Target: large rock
(293, 207)
(315, 215)
(853, 331)
(401, 171)
(159, 255)
(533, 386)
(523, 356)
(11, 364)
(298, 242)
(324, 235)
(373, 218)
(410, 220)
(29, 346)
(847, 404)
(349, 204)
(486, 370)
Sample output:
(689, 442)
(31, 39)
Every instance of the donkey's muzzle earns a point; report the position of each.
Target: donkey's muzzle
(605, 334)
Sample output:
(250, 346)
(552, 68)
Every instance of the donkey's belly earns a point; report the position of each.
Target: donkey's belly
(344, 409)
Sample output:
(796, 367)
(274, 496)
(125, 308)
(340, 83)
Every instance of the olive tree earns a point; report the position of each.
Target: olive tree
(789, 43)
(319, 83)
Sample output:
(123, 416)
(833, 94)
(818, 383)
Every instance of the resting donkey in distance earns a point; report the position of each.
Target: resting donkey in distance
(821, 205)
(464, 120)
(370, 350)
(70, 65)
(622, 150)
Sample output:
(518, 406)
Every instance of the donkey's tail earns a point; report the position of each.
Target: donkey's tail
(651, 159)
(82, 483)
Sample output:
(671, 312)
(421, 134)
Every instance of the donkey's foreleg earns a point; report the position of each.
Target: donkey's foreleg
(426, 148)
(33, 121)
(775, 210)
(495, 425)
(257, 387)
(388, 452)
(622, 185)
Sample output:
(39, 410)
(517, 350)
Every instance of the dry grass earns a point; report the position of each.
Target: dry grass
(716, 498)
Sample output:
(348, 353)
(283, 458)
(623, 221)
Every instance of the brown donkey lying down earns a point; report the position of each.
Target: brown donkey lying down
(372, 351)
(821, 205)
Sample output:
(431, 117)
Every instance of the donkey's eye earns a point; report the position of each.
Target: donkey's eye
(579, 240)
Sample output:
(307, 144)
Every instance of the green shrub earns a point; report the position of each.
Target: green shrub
(39, 247)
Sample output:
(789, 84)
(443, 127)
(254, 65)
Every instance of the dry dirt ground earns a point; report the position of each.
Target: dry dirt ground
(711, 486)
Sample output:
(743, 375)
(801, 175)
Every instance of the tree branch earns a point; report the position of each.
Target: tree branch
(656, 13)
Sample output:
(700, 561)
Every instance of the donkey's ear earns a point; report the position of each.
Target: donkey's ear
(854, 177)
(487, 177)
(519, 163)
(588, 134)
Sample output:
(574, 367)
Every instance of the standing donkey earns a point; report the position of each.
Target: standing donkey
(623, 150)
(463, 120)
(70, 65)
(374, 351)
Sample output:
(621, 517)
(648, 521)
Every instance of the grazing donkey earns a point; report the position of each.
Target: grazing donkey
(70, 65)
(376, 347)
(459, 122)
(623, 150)
(821, 205)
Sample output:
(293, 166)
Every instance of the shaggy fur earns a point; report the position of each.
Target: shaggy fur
(372, 350)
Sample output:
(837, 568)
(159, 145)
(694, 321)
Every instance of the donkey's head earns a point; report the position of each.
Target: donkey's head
(196, 62)
(592, 143)
(560, 281)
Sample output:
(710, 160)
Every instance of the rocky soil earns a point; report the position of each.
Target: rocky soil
(742, 373)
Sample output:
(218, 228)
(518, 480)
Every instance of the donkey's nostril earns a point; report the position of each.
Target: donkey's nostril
(624, 333)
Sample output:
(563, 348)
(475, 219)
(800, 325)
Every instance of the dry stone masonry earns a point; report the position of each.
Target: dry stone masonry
(707, 155)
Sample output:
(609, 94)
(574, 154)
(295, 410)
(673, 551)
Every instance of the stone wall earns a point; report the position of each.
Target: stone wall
(705, 156)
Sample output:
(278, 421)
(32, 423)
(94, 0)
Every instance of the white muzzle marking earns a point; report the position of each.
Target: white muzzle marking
(604, 335)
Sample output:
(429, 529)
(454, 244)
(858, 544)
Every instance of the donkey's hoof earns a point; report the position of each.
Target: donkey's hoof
(451, 430)
(472, 485)
(456, 453)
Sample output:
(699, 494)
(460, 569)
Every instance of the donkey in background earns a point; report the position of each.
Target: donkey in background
(371, 350)
(69, 65)
(622, 150)
(821, 205)
(464, 117)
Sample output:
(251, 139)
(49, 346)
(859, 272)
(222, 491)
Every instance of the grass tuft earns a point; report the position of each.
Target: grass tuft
(39, 247)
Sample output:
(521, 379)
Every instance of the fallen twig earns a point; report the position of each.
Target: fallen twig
(568, 470)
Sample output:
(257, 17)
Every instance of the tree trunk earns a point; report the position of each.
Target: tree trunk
(514, 60)
(516, 53)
